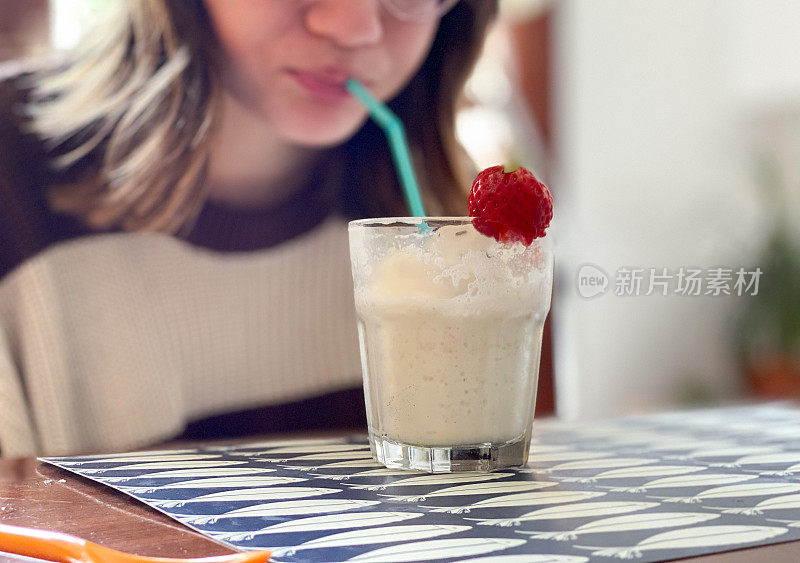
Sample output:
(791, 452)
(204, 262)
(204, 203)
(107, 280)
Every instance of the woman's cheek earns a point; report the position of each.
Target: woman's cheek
(409, 45)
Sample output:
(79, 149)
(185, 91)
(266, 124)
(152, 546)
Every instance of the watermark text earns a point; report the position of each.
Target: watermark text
(683, 281)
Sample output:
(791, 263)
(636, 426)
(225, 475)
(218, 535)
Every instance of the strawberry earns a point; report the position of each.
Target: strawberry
(510, 206)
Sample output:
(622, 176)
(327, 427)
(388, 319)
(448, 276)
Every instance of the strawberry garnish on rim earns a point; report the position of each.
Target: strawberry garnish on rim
(510, 206)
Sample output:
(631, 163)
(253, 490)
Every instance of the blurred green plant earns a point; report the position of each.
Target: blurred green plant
(768, 324)
(693, 391)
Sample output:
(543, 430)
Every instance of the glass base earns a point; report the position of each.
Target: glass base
(450, 459)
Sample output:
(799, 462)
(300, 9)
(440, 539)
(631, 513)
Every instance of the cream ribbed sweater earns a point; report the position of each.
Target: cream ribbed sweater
(116, 341)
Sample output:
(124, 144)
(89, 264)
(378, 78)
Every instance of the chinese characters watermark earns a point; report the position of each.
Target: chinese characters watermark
(684, 281)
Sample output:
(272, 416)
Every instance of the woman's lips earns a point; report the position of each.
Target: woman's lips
(321, 85)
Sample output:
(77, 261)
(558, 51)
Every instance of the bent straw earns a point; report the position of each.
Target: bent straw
(393, 129)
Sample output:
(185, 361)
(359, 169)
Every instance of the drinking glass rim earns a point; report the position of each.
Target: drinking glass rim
(436, 221)
(410, 221)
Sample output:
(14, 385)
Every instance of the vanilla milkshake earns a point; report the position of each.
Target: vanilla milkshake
(450, 326)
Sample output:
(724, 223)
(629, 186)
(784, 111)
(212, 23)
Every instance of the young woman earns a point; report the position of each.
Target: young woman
(173, 199)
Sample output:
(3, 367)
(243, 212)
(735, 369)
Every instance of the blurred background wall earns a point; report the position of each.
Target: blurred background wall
(664, 112)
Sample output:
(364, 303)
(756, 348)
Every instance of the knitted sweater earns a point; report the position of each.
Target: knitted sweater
(111, 341)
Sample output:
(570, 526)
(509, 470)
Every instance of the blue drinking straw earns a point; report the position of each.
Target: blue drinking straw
(393, 129)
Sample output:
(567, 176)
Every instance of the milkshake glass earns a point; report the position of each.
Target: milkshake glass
(450, 329)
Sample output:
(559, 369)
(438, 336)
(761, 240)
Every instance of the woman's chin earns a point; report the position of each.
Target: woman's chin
(321, 134)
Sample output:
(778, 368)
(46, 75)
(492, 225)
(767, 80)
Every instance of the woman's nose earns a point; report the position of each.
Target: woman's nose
(349, 23)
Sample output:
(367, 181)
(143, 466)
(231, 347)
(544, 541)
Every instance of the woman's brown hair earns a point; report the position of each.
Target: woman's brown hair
(127, 121)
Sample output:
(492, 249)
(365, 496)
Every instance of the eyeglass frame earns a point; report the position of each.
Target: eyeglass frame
(439, 11)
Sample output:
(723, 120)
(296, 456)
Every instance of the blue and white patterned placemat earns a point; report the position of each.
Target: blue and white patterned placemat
(649, 488)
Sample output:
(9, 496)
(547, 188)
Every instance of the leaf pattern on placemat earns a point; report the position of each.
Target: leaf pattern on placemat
(163, 458)
(157, 465)
(325, 523)
(738, 491)
(505, 487)
(612, 484)
(211, 472)
(436, 479)
(348, 455)
(254, 494)
(527, 558)
(637, 473)
(523, 499)
(683, 481)
(347, 464)
(233, 482)
(784, 502)
(283, 509)
(730, 451)
(371, 536)
(603, 463)
(436, 550)
(312, 449)
(383, 472)
(781, 458)
(628, 523)
(687, 538)
(569, 511)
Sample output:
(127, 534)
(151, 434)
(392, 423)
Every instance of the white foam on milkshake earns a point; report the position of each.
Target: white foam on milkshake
(456, 271)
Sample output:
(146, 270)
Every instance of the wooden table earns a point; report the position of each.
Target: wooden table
(38, 495)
